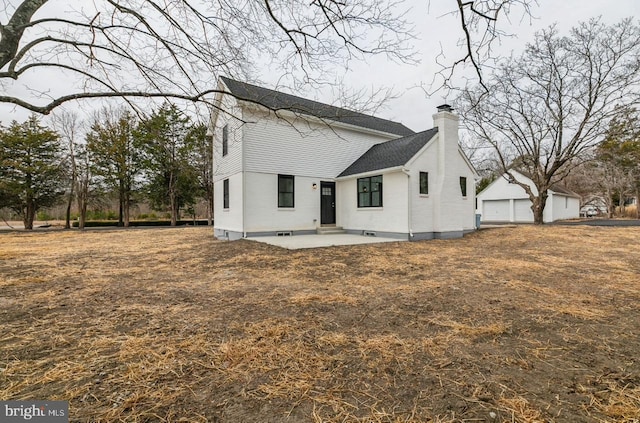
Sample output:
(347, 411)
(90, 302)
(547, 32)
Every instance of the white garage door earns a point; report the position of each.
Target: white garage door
(495, 211)
(523, 212)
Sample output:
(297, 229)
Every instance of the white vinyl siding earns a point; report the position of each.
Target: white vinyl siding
(565, 207)
(262, 213)
(392, 217)
(228, 219)
(301, 148)
(458, 212)
(230, 163)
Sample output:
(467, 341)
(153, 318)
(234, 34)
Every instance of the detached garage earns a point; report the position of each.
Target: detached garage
(503, 201)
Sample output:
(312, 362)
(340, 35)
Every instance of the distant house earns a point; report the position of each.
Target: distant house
(285, 165)
(503, 201)
(594, 205)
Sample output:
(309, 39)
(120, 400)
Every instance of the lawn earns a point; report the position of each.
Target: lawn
(521, 324)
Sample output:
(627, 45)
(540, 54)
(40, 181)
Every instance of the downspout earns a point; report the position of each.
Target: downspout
(409, 205)
(243, 174)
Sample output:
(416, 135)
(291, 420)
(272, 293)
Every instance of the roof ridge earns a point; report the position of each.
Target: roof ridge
(274, 100)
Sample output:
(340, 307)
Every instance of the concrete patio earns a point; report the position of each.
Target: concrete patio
(297, 242)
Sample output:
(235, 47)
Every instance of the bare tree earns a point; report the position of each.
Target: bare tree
(85, 183)
(542, 110)
(176, 48)
(67, 125)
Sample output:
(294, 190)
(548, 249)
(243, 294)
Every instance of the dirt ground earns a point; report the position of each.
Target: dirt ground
(524, 324)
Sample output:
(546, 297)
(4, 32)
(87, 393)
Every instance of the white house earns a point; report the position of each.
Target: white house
(285, 165)
(503, 201)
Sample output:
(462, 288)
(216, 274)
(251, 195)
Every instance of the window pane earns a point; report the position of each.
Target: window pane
(363, 199)
(225, 194)
(285, 191)
(424, 183)
(286, 184)
(463, 186)
(376, 199)
(285, 199)
(370, 191)
(225, 140)
(364, 185)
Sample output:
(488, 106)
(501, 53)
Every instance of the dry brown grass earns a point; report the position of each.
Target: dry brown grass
(522, 324)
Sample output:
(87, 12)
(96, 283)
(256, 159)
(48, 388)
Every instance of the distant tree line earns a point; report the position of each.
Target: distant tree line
(164, 159)
(610, 172)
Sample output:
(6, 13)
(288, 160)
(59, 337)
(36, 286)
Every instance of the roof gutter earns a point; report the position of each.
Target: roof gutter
(371, 173)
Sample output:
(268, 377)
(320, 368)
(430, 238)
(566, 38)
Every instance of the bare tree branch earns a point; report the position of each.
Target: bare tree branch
(479, 21)
(11, 33)
(178, 48)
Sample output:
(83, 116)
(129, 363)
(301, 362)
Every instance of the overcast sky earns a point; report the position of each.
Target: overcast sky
(438, 31)
(413, 108)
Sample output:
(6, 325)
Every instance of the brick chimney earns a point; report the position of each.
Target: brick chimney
(447, 183)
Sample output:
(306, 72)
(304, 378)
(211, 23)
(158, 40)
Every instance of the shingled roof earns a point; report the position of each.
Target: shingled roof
(390, 154)
(276, 100)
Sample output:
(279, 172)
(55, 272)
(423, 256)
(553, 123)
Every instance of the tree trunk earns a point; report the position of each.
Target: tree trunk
(67, 222)
(29, 215)
(611, 206)
(83, 214)
(74, 181)
(174, 211)
(173, 200)
(210, 206)
(538, 204)
(175, 215)
(127, 207)
(121, 206)
(82, 199)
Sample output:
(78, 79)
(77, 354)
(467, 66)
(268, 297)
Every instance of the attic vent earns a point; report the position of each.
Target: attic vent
(284, 233)
(369, 233)
(445, 108)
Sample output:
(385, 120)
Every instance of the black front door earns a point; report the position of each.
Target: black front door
(327, 203)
